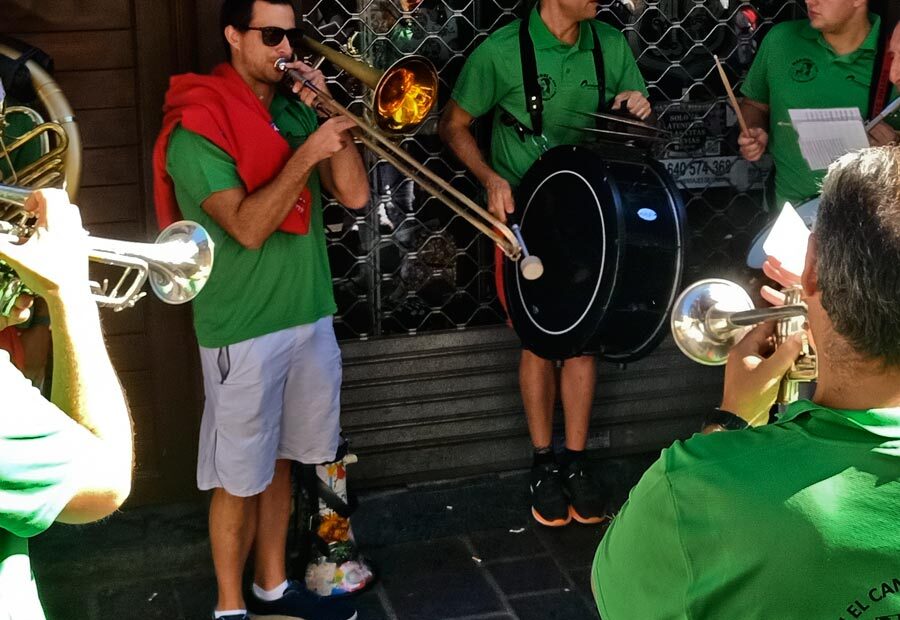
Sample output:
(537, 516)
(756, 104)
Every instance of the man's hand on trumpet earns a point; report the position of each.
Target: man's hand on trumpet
(754, 371)
(54, 260)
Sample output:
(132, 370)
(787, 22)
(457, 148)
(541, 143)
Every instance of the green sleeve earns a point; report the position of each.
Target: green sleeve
(756, 84)
(41, 450)
(640, 569)
(198, 167)
(622, 72)
(477, 89)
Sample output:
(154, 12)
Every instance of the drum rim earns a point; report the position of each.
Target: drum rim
(676, 204)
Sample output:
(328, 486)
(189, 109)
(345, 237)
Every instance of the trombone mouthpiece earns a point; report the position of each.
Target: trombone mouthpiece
(281, 64)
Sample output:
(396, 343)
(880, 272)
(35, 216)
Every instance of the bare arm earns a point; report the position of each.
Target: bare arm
(756, 114)
(455, 130)
(753, 143)
(252, 218)
(344, 177)
(53, 263)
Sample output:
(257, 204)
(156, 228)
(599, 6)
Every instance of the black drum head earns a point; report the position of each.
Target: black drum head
(608, 226)
(568, 218)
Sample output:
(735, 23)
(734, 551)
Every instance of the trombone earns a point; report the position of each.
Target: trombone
(711, 316)
(178, 265)
(403, 96)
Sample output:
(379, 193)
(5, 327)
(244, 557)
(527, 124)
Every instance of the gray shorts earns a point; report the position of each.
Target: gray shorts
(272, 397)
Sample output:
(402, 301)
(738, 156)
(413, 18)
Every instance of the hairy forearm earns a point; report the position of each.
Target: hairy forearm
(262, 212)
(463, 144)
(348, 178)
(756, 115)
(85, 385)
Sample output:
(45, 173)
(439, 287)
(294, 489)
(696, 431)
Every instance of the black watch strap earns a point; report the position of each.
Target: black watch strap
(727, 420)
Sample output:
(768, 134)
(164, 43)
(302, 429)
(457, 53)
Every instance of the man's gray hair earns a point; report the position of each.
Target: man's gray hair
(858, 238)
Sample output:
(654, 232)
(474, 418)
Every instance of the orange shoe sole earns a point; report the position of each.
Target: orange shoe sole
(555, 522)
(573, 514)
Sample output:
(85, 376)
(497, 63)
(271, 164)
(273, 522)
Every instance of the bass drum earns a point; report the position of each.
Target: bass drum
(608, 224)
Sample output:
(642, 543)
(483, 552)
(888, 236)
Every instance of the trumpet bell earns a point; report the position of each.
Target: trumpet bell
(405, 94)
(699, 326)
(184, 275)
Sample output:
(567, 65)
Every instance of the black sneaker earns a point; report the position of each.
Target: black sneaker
(586, 503)
(548, 500)
(300, 604)
(233, 617)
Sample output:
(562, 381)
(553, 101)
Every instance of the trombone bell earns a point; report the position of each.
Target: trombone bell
(405, 94)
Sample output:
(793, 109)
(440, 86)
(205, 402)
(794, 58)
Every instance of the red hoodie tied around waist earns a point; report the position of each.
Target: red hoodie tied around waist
(223, 109)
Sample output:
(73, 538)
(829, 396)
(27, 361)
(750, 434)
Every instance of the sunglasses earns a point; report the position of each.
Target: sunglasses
(273, 35)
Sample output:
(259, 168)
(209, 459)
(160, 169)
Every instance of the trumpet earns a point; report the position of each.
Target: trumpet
(178, 265)
(711, 316)
(403, 96)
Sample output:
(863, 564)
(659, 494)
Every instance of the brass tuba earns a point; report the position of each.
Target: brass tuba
(59, 163)
(177, 265)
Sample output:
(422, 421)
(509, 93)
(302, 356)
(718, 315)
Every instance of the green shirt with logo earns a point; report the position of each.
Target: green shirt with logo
(796, 68)
(250, 293)
(491, 80)
(794, 520)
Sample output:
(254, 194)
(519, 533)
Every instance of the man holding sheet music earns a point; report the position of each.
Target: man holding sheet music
(826, 61)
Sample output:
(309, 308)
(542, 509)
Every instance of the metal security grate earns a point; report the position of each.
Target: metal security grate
(407, 264)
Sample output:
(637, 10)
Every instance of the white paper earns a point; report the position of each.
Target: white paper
(829, 133)
(788, 239)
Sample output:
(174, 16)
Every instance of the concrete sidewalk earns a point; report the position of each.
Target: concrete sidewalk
(458, 550)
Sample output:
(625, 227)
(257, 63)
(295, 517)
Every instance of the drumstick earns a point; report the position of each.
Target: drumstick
(890, 109)
(734, 103)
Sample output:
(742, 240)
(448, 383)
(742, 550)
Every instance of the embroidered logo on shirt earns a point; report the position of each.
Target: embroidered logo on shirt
(804, 70)
(588, 85)
(548, 86)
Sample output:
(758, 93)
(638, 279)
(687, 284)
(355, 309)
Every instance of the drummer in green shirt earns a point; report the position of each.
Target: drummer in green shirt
(796, 519)
(826, 61)
(564, 35)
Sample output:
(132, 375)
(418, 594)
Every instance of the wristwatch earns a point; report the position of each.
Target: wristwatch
(727, 420)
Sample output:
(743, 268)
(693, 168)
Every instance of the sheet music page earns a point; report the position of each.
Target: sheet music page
(827, 134)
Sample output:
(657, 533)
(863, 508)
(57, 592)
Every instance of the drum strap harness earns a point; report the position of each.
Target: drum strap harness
(534, 103)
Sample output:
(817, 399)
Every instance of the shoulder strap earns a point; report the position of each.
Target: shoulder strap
(534, 103)
(600, 68)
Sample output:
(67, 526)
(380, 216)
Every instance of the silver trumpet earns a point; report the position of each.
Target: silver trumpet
(713, 315)
(178, 264)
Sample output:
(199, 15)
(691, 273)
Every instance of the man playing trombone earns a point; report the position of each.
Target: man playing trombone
(249, 164)
(68, 460)
(795, 519)
(580, 65)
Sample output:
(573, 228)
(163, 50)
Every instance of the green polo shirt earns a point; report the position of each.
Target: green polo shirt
(250, 293)
(491, 80)
(796, 68)
(794, 520)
